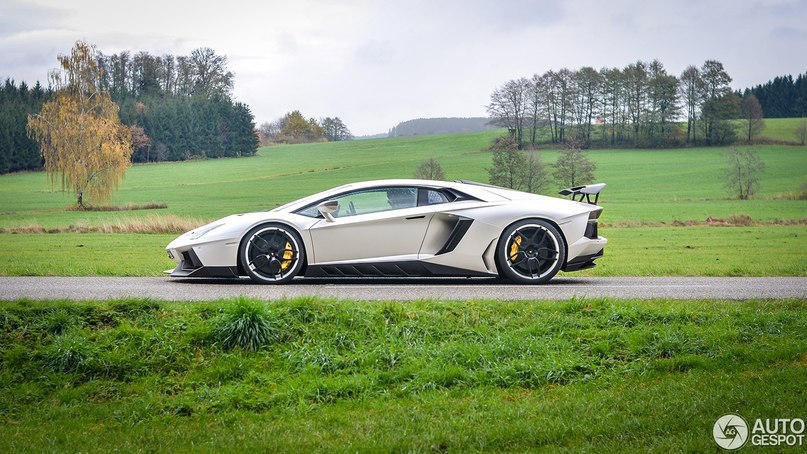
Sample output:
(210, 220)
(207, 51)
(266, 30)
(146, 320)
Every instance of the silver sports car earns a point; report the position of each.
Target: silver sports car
(401, 228)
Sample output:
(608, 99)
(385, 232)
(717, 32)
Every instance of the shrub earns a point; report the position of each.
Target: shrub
(430, 169)
(69, 352)
(58, 321)
(247, 325)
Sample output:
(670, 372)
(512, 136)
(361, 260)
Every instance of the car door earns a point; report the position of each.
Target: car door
(375, 224)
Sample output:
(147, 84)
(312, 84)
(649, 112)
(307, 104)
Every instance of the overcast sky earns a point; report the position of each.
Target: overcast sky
(376, 63)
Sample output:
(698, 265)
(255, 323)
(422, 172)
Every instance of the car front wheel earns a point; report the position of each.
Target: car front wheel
(530, 252)
(271, 254)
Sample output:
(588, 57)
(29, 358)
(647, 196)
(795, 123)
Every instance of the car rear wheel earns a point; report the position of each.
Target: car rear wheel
(271, 254)
(530, 252)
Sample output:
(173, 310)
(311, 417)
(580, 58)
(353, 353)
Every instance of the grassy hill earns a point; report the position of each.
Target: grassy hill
(781, 129)
(643, 185)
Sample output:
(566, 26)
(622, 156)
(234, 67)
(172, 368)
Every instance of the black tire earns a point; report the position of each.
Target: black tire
(531, 251)
(271, 254)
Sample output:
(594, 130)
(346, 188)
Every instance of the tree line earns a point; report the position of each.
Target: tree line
(177, 107)
(17, 150)
(640, 105)
(295, 128)
(782, 97)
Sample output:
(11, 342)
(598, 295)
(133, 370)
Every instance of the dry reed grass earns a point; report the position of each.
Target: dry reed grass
(735, 220)
(165, 223)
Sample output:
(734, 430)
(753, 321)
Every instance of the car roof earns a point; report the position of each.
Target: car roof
(482, 192)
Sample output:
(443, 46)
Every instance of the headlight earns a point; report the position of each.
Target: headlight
(203, 230)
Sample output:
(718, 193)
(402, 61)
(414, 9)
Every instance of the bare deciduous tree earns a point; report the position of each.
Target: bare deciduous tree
(801, 132)
(508, 107)
(536, 105)
(691, 86)
(742, 172)
(752, 115)
(536, 175)
(508, 163)
(573, 167)
(430, 169)
(612, 105)
(560, 94)
(663, 105)
(636, 96)
(210, 74)
(516, 169)
(717, 103)
(588, 87)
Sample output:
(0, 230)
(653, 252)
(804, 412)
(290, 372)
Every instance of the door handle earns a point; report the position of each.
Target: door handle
(416, 217)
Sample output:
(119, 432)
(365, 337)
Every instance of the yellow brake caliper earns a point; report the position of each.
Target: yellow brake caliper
(287, 256)
(514, 247)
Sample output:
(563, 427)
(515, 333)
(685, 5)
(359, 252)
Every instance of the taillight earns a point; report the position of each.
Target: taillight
(592, 230)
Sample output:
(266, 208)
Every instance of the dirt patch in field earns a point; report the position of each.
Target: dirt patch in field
(127, 207)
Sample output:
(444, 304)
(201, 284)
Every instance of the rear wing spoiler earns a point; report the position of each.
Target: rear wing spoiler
(585, 192)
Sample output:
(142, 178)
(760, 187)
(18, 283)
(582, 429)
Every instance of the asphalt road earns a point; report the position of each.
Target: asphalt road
(164, 288)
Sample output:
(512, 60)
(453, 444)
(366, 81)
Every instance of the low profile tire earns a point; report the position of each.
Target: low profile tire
(271, 254)
(530, 252)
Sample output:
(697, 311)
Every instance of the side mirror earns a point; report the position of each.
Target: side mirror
(328, 208)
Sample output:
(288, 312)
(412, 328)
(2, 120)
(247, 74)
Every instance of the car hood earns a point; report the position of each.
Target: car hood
(231, 227)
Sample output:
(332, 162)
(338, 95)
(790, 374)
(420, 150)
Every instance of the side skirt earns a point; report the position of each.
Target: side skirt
(389, 269)
(206, 271)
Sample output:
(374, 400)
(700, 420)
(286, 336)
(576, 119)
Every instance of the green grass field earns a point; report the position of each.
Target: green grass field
(781, 129)
(634, 251)
(645, 187)
(576, 375)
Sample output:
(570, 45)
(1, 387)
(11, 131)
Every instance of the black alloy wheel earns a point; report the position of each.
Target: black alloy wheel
(531, 252)
(271, 254)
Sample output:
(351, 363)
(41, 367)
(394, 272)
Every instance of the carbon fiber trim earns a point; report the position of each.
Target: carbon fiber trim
(388, 269)
(583, 262)
(206, 271)
(459, 231)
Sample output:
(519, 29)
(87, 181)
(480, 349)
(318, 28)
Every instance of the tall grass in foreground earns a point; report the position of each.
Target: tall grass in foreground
(321, 374)
(246, 325)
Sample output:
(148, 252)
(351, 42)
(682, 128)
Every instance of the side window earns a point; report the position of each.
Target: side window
(435, 197)
(375, 200)
(381, 199)
(398, 198)
(311, 212)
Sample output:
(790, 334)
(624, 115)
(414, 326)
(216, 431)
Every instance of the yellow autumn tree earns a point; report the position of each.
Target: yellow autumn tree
(82, 140)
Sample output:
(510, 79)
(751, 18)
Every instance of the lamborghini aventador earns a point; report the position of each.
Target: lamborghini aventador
(400, 228)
